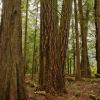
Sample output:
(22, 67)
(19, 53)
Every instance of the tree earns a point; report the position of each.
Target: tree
(25, 39)
(64, 31)
(54, 44)
(97, 22)
(11, 64)
(78, 67)
(84, 53)
(34, 69)
(87, 12)
(51, 76)
(73, 47)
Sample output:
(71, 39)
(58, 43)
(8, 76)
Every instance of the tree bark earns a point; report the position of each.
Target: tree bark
(78, 67)
(25, 39)
(34, 69)
(11, 64)
(51, 78)
(84, 62)
(86, 31)
(64, 32)
(97, 23)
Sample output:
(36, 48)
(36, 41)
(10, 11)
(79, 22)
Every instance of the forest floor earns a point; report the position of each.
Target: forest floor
(86, 89)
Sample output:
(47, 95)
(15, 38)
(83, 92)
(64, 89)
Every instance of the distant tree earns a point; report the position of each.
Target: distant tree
(34, 67)
(11, 59)
(73, 46)
(25, 35)
(97, 22)
(78, 67)
(86, 21)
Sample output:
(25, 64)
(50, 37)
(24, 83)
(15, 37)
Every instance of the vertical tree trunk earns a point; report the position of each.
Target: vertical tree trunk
(11, 64)
(68, 63)
(25, 39)
(52, 78)
(84, 61)
(70, 66)
(42, 44)
(34, 47)
(97, 22)
(74, 53)
(51, 64)
(64, 31)
(78, 67)
(86, 32)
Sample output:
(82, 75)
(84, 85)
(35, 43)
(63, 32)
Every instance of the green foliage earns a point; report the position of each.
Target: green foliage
(93, 70)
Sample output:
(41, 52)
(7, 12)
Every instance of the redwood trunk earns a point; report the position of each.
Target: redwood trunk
(51, 77)
(97, 22)
(11, 64)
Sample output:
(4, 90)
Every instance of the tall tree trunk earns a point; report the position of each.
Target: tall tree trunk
(52, 78)
(84, 61)
(64, 32)
(34, 47)
(25, 39)
(97, 22)
(73, 46)
(78, 67)
(11, 64)
(86, 32)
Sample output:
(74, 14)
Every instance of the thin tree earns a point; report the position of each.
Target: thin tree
(64, 32)
(25, 39)
(78, 67)
(73, 46)
(34, 47)
(87, 12)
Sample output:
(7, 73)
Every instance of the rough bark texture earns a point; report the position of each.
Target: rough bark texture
(11, 69)
(84, 62)
(97, 22)
(51, 77)
(64, 32)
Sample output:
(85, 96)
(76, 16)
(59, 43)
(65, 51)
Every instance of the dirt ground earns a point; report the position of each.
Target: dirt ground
(86, 89)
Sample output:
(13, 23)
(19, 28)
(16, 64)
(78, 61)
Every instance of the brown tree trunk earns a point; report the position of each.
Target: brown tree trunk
(34, 69)
(86, 32)
(52, 78)
(78, 67)
(84, 61)
(25, 39)
(11, 64)
(74, 48)
(97, 22)
(64, 32)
